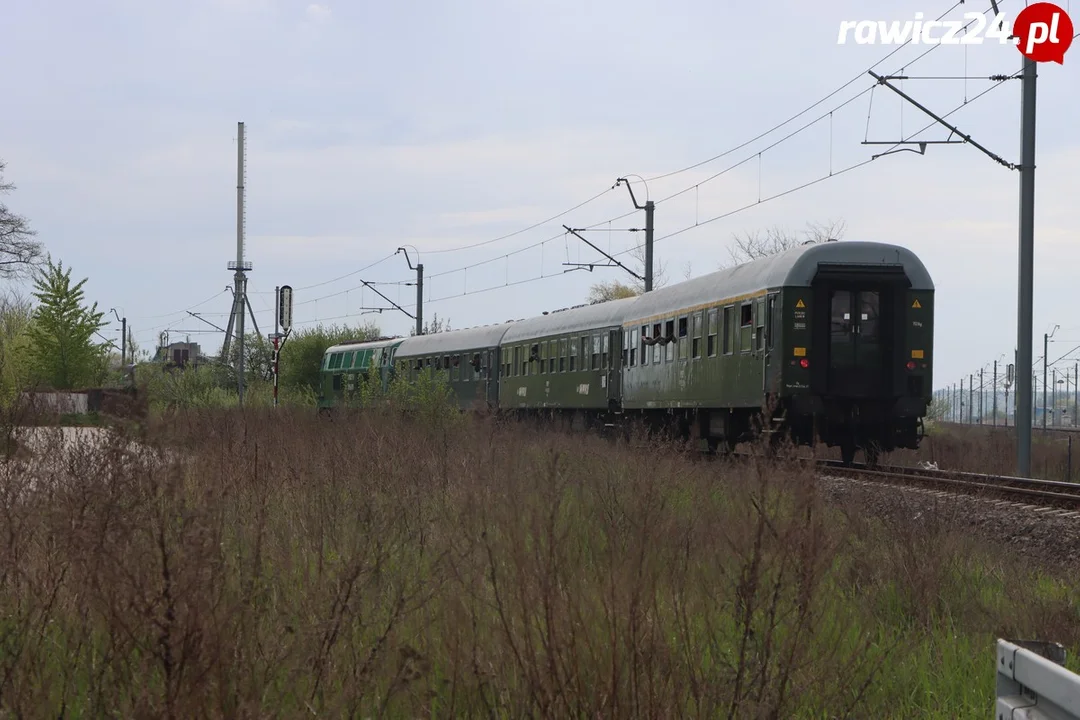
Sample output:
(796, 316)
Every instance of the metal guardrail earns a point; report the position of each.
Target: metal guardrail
(1033, 684)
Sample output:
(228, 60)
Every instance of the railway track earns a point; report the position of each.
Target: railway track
(1045, 493)
(1026, 491)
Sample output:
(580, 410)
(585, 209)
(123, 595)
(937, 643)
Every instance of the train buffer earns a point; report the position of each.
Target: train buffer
(1033, 683)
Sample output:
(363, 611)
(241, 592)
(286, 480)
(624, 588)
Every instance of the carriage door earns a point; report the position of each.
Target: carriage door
(491, 382)
(614, 368)
(770, 374)
(855, 348)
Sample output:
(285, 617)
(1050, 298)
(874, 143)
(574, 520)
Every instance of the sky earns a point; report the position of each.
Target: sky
(465, 130)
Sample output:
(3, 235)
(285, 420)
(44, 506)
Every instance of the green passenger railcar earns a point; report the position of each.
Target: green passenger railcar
(469, 357)
(346, 365)
(834, 339)
(566, 361)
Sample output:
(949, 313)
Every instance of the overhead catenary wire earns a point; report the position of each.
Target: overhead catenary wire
(819, 179)
(695, 186)
(721, 216)
(799, 114)
(750, 157)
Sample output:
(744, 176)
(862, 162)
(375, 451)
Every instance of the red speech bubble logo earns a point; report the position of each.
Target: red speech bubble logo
(1043, 32)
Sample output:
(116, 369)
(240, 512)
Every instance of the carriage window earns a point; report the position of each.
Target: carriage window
(746, 327)
(595, 352)
(759, 310)
(553, 352)
(543, 357)
(669, 349)
(711, 345)
(562, 355)
(696, 345)
(633, 346)
(625, 348)
(684, 336)
(868, 315)
(573, 354)
(335, 361)
(604, 350)
(657, 349)
(840, 319)
(729, 329)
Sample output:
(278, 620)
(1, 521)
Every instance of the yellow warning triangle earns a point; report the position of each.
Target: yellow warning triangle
(916, 304)
(800, 304)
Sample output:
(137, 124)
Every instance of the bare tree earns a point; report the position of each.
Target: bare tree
(751, 246)
(434, 325)
(616, 289)
(20, 253)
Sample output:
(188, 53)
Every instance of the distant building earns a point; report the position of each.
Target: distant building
(179, 354)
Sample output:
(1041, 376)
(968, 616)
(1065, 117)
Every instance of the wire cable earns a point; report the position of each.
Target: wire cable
(806, 110)
(734, 166)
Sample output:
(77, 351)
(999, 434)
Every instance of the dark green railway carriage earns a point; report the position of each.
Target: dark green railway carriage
(346, 365)
(835, 337)
(469, 357)
(567, 361)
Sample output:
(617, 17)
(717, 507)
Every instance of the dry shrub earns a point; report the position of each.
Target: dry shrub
(992, 450)
(252, 563)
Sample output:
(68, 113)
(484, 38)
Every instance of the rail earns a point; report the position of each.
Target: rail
(1031, 685)
(1043, 492)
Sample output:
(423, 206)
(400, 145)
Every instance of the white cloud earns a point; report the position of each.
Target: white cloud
(317, 12)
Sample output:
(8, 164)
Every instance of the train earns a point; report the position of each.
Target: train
(827, 342)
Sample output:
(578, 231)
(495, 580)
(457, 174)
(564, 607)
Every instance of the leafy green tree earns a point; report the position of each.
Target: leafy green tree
(611, 290)
(61, 332)
(15, 315)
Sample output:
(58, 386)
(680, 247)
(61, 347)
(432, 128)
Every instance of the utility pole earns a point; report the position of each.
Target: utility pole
(123, 337)
(980, 396)
(995, 394)
(1053, 397)
(1046, 349)
(276, 336)
(971, 398)
(1026, 289)
(961, 401)
(1076, 391)
(1025, 397)
(1010, 369)
(419, 288)
(240, 268)
(649, 209)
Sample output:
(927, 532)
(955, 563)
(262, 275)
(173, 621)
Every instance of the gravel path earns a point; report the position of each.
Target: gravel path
(1048, 537)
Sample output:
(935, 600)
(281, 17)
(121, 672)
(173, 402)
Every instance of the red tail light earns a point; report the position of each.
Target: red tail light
(804, 363)
(911, 365)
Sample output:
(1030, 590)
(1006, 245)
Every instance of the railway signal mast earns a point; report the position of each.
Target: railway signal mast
(282, 326)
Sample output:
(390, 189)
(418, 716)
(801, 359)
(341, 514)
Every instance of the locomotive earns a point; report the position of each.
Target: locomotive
(824, 343)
